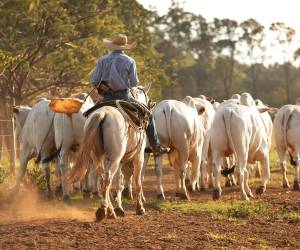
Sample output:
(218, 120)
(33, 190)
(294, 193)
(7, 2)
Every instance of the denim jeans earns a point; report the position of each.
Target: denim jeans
(125, 95)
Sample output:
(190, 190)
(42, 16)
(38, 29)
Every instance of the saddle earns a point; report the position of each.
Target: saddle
(135, 113)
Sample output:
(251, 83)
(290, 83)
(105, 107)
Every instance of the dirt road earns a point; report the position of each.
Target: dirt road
(170, 228)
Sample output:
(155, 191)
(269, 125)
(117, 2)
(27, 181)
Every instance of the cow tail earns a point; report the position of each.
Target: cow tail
(92, 144)
(168, 115)
(227, 121)
(285, 122)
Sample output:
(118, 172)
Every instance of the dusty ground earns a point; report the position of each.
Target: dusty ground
(33, 224)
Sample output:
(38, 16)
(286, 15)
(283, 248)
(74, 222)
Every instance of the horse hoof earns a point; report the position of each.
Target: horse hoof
(119, 212)
(216, 194)
(66, 198)
(260, 190)
(127, 194)
(86, 194)
(101, 213)
(161, 197)
(140, 211)
(296, 186)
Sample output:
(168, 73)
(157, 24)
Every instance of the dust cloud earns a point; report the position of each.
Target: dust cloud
(28, 205)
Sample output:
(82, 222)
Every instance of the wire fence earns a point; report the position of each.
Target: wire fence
(8, 142)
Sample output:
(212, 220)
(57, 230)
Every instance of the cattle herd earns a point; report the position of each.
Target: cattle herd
(205, 140)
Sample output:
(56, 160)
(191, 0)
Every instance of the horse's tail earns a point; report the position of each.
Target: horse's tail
(92, 144)
(168, 113)
(227, 123)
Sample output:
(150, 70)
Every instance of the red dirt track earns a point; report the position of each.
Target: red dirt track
(166, 229)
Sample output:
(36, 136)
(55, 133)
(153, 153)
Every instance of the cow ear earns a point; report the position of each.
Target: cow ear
(201, 110)
(267, 109)
(189, 101)
(15, 110)
(147, 88)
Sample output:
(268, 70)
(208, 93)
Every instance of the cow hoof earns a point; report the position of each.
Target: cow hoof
(101, 213)
(286, 185)
(49, 195)
(161, 197)
(58, 191)
(119, 212)
(249, 194)
(86, 194)
(140, 211)
(66, 198)
(296, 186)
(127, 194)
(216, 194)
(111, 214)
(95, 195)
(228, 183)
(190, 188)
(187, 182)
(260, 190)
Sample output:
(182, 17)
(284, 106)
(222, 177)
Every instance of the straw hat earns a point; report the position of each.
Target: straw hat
(118, 42)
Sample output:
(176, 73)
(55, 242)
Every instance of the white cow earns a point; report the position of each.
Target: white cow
(68, 131)
(239, 130)
(36, 134)
(179, 128)
(287, 139)
(206, 120)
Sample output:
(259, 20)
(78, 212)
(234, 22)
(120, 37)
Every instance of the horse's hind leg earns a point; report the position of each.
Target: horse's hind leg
(106, 208)
(119, 188)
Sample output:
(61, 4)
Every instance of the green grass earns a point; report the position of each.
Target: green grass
(229, 210)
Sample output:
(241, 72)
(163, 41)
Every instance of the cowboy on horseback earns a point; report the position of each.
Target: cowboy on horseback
(115, 74)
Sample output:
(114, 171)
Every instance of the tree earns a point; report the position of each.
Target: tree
(253, 36)
(284, 38)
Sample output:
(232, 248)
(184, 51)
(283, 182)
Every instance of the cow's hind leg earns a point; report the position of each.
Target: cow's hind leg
(281, 153)
(47, 177)
(196, 161)
(265, 173)
(296, 185)
(247, 188)
(25, 156)
(127, 173)
(158, 172)
(217, 174)
(137, 172)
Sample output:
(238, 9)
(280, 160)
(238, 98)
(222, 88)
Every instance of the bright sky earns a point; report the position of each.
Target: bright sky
(264, 11)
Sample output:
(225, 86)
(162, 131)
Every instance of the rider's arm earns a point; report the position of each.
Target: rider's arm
(97, 74)
(133, 78)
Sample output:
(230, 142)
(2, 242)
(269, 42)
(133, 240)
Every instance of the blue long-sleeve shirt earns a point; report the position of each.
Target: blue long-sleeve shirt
(117, 69)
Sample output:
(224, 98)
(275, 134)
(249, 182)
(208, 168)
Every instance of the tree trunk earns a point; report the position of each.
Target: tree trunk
(287, 82)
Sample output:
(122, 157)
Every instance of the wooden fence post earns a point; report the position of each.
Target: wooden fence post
(12, 143)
